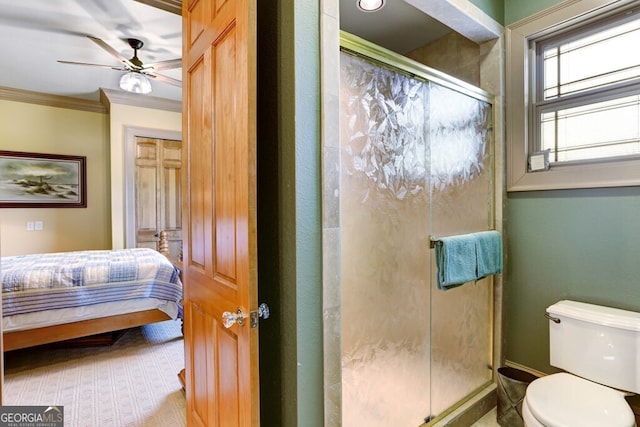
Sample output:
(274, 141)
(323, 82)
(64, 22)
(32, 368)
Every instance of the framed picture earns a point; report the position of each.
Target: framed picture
(35, 180)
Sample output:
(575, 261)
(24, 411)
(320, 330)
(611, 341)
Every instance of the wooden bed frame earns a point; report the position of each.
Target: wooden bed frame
(49, 334)
(32, 337)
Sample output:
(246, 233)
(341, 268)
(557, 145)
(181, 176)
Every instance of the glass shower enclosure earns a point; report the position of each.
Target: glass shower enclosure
(415, 163)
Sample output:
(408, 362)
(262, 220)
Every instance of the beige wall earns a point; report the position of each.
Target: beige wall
(43, 129)
(123, 117)
(99, 137)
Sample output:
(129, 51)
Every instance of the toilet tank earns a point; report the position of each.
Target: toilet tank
(598, 343)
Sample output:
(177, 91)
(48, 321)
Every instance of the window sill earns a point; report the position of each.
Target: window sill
(621, 173)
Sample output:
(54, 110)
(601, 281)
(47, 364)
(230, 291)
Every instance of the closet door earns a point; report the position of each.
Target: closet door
(158, 190)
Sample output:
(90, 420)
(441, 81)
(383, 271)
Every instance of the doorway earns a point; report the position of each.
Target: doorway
(153, 199)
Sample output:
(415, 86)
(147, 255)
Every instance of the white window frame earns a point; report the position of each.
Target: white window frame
(593, 174)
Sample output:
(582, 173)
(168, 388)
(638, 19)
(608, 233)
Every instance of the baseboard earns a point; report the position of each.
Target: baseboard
(524, 368)
(472, 410)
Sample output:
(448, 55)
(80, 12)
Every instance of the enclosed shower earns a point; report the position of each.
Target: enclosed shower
(416, 162)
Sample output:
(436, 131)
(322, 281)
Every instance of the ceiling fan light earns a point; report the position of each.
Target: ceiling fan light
(135, 82)
(369, 5)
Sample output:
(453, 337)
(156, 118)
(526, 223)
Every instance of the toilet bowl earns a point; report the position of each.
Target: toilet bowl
(570, 401)
(596, 346)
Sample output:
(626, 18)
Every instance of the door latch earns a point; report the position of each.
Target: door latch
(262, 312)
(229, 319)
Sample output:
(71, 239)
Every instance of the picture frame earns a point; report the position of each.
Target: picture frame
(38, 180)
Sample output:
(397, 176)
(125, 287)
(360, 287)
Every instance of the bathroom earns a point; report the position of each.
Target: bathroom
(564, 243)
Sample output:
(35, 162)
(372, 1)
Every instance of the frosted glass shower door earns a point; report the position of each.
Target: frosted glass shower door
(416, 162)
(460, 137)
(384, 211)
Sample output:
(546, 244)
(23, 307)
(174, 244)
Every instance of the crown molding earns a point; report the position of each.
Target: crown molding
(20, 95)
(110, 96)
(173, 6)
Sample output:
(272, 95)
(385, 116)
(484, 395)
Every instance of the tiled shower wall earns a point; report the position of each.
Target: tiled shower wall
(453, 54)
(331, 293)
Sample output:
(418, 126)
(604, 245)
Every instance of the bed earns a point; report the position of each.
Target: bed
(53, 297)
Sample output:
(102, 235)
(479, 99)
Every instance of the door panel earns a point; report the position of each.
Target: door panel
(203, 363)
(199, 128)
(225, 174)
(146, 186)
(219, 211)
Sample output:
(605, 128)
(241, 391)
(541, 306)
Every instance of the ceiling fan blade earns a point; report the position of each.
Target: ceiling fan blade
(93, 65)
(165, 79)
(114, 53)
(164, 65)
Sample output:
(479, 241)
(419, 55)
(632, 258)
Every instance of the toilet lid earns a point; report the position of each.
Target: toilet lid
(566, 400)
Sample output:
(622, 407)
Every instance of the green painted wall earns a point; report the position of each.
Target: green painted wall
(493, 8)
(567, 244)
(514, 10)
(289, 213)
(303, 224)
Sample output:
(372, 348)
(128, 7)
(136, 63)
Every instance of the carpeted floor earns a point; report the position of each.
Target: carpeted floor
(133, 382)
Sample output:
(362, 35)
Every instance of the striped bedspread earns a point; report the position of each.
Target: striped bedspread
(38, 282)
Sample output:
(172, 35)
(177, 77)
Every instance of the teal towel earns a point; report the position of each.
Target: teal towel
(489, 253)
(456, 261)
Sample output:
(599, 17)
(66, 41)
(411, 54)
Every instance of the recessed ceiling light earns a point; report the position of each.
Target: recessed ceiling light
(369, 5)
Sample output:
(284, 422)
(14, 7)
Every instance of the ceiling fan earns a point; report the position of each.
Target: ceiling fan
(136, 79)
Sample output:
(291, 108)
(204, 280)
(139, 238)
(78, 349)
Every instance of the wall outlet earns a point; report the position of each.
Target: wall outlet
(39, 225)
(30, 226)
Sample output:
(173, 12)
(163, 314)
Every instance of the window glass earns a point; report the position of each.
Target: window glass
(591, 61)
(581, 110)
(600, 130)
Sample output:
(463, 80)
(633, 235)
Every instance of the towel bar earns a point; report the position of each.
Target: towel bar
(434, 240)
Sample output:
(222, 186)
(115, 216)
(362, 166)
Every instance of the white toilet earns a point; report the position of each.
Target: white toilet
(599, 348)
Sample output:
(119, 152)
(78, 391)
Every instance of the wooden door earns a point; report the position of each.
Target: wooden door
(219, 229)
(158, 191)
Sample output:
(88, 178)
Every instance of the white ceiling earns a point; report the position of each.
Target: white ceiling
(35, 34)
(398, 26)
